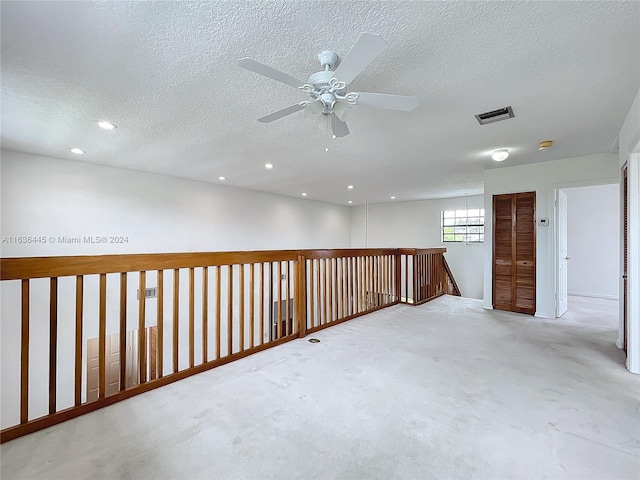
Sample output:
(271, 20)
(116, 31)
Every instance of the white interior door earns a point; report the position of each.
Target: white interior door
(563, 258)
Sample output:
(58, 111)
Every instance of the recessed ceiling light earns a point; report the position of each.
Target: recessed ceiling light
(304, 194)
(350, 187)
(333, 136)
(106, 125)
(222, 178)
(268, 165)
(349, 201)
(77, 151)
(392, 198)
(500, 155)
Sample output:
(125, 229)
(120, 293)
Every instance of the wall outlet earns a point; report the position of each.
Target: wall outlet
(149, 293)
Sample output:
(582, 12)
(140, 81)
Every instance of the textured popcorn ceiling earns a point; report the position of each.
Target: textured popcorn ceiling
(166, 74)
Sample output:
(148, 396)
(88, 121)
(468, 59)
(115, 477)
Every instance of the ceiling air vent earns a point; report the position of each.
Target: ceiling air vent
(495, 115)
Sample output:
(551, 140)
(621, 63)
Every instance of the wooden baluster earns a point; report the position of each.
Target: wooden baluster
(361, 284)
(387, 266)
(77, 395)
(300, 292)
(271, 299)
(102, 335)
(53, 342)
(279, 289)
(252, 295)
(261, 303)
(142, 330)
(205, 314)
(406, 278)
(347, 286)
(332, 284)
(191, 318)
(218, 323)
(230, 311)
(327, 308)
(369, 271)
(416, 274)
(241, 309)
(354, 285)
(160, 323)
(383, 278)
(318, 291)
(339, 293)
(287, 307)
(312, 303)
(336, 284)
(176, 319)
(123, 331)
(24, 354)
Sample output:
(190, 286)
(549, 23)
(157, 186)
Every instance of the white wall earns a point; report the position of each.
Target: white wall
(417, 225)
(630, 155)
(49, 197)
(52, 198)
(543, 178)
(593, 232)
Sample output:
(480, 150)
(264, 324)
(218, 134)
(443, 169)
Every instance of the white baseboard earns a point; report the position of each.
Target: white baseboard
(487, 307)
(593, 295)
(542, 315)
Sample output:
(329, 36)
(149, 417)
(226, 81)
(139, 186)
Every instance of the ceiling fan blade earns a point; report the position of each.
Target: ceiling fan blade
(391, 102)
(338, 127)
(267, 71)
(281, 113)
(362, 53)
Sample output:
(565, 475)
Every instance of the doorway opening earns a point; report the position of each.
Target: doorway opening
(588, 245)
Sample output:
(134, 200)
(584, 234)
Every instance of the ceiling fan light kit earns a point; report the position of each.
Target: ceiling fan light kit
(328, 88)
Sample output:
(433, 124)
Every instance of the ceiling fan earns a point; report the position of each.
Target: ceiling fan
(329, 88)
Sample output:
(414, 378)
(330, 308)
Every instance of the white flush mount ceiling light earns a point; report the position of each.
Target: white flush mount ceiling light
(500, 155)
(222, 179)
(268, 166)
(304, 194)
(328, 88)
(77, 151)
(349, 202)
(106, 125)
(392, 198)
(350, 187)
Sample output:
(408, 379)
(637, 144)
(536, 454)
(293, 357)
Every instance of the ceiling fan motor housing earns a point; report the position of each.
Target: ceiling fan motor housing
(325, 89)
(329, 59)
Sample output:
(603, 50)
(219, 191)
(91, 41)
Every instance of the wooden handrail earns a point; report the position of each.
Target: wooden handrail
(242, 302)
(45, 267)
(451, 278)
(421, 251)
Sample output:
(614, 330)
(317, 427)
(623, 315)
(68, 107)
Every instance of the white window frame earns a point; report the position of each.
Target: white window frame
(471, 220)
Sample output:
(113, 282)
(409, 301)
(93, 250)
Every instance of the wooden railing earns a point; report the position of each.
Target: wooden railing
(424, 275)
(203, 310)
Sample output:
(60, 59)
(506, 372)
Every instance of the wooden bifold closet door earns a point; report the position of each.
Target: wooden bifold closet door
(514, 252)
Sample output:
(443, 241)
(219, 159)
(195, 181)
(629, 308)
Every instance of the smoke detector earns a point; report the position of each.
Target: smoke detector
(546, 145)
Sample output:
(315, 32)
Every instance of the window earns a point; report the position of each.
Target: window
(465, 226)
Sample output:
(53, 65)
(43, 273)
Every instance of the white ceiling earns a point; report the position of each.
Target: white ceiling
(166, 74)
